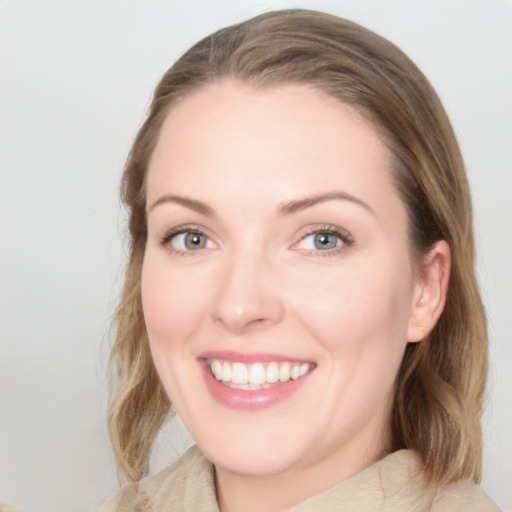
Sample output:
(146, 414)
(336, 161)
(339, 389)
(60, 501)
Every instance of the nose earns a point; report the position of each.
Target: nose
(247, 296)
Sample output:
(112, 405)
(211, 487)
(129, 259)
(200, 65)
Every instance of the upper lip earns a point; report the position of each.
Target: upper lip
(248, 357)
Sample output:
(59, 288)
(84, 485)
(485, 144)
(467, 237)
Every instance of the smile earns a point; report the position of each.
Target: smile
(256, 376)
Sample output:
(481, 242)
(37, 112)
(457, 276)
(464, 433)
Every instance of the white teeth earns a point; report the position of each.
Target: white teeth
(217, 370)
(226, 373)
(304, 369)
(272, 373)
(256, 376)
(284, 372)
(239, 375)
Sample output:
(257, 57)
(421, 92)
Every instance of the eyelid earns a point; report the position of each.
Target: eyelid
(346, 238)
(170, 234)
(344, 235)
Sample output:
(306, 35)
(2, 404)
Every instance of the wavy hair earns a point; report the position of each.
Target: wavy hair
(441, 382)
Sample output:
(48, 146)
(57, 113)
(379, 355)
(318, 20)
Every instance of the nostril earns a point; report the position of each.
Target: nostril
(245, 302)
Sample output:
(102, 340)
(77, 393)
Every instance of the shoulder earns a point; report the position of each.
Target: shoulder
(405, 486)
(5, 507)
(464, 495)
(174, 485)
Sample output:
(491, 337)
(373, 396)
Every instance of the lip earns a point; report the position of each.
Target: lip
(249, 358)
(249, 400)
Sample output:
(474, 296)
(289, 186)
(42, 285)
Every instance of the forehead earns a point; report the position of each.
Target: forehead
(233, 140)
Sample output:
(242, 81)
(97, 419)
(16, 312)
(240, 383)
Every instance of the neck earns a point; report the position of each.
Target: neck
(277, 492)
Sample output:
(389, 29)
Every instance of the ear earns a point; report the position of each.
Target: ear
(430, 290)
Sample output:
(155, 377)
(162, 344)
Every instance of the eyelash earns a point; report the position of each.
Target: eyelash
(166, 240)
(342, 234)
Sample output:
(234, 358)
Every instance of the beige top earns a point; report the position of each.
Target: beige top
(394, 484)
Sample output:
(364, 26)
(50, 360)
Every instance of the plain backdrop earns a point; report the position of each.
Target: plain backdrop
(76, 77)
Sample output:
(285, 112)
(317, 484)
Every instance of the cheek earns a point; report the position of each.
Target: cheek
(355, 309)
(171, 301)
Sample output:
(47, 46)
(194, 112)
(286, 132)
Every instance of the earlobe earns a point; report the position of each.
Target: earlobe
(430, 292)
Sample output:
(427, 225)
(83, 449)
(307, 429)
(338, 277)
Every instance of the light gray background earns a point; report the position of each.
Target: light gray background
(76, 78)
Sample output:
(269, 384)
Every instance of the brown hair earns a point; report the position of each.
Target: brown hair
(440, 386)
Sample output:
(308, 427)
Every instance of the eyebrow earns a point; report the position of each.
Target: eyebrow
(285, 208)
(290, 207)
(193, 204)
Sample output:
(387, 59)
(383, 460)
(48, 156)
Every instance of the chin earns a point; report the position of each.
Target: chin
(250, 462)
(262, 455)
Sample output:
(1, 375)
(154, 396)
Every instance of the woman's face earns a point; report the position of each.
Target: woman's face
(277, 259)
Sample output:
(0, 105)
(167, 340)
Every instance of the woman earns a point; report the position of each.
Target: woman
(301, 281)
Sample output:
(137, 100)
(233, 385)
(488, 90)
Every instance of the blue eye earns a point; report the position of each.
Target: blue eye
(321, 241)
(188, 241)
(327, 239)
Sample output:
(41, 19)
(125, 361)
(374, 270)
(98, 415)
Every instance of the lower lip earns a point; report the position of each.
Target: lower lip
(250, 400)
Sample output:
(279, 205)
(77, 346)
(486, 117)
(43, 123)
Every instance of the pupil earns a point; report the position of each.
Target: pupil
(194, 241)
(325, 241)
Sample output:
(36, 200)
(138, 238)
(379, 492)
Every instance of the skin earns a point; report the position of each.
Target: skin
(260, 285)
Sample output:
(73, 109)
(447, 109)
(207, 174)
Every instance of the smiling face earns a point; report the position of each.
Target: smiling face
(277, 284)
